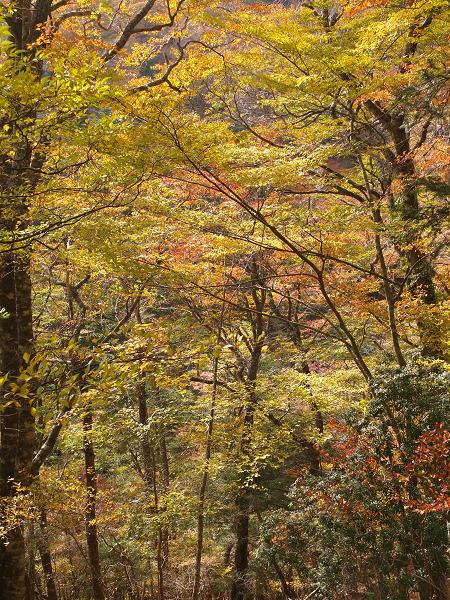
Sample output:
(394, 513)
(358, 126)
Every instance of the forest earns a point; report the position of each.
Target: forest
(224, 300)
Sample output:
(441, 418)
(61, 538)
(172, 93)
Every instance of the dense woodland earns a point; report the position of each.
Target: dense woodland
(224, 300)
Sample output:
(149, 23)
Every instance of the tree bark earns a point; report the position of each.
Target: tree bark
(17, 421)
(420, 269)
(243, 500)
(205, 475)
(17, 431)
(162, 542)
(146, 448)
(90, 508)
(46, 559)
(239, 589)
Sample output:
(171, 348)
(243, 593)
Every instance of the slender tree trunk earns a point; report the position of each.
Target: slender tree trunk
(388, 290)
(202, 493)
(46, 559)
(239, 587)
(165, 471)
(431, 578)
(243, 500)
(159, 556)
(146, 448)
(160, 562)
(30, 549)
(163, 535)
(287, 589)
(433, 587)
(311, 449)
(162, 553)
(420, 269)
(410, 211)
(162, 538)
(205, 475)
(149, 472)
(90, 508)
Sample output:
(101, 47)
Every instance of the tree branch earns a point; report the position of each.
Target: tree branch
(128, 31)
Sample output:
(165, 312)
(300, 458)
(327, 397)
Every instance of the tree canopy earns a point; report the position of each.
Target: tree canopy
(224, 300)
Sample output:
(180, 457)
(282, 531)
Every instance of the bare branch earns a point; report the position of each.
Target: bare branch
(128, 31)
(69, 15)
(170, 67)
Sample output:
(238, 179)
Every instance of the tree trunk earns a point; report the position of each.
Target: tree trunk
(90, 509)
(146, 448)
(239, 588)
(205, 475)
(46, 559)
(17, 421)
(163, 534)
(420, 269)
(163, 537)
(165, 472)
(149, 473)
(17, 431)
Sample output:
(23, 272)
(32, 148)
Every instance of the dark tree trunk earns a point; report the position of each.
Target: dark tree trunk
(90, 509)
(149, 474)
(17, 431)
(421, 273)
(243, 500)
(46, 559)
(205, 474)
(17, 421)
(418, 261)
(163, 535)
(239, 587)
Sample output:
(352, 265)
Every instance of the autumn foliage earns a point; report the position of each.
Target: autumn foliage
(224, 307)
